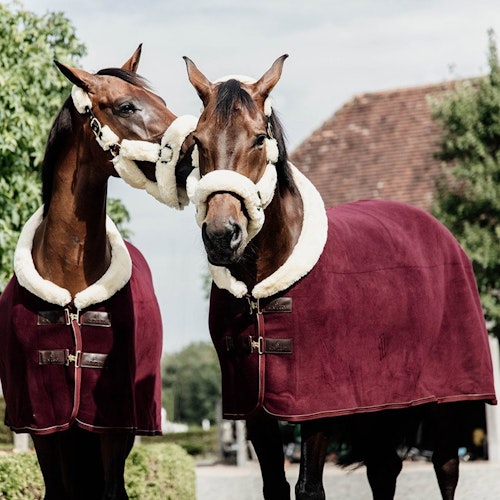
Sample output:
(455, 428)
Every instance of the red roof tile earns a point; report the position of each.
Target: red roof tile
(378, 145)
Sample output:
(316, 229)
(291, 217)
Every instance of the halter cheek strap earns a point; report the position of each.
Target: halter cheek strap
(164, 155)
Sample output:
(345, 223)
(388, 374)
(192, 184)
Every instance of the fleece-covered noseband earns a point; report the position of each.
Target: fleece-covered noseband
(255, 196)
(164, 155)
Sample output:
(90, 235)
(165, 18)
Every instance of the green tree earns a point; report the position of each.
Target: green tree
(191, 383)
(468, 194)
(31, 92)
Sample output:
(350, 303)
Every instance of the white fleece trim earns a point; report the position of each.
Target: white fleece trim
(172, 141)
(81, 99)
(256, 197)
(304, 256)
(114, 279)
(165, 155)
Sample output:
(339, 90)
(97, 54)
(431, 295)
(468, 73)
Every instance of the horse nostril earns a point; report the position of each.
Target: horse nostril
(223, 238)
(235, 241)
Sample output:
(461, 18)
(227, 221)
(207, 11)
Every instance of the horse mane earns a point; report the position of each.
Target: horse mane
(230, 93)
(62, 128)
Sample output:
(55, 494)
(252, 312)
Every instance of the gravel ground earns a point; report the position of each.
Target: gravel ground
(478, 481)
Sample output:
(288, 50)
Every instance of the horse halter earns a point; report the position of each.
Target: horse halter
(127, 152)
(255, 196)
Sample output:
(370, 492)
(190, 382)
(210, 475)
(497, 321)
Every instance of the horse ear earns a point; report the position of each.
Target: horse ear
(78, 77)
(133, 63)
(199, 81)
(270, 78)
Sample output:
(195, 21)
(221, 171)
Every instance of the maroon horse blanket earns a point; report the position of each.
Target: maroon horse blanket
(389, 317)
(117, 370)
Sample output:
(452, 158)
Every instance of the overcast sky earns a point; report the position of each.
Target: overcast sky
(337, 49)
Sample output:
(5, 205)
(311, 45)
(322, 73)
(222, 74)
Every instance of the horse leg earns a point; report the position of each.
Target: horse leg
(383, 466)
(381, 459)
(70, 464)
(444, 418)
(47, 452)
(265, 436)
(115, 448)
(314, 443)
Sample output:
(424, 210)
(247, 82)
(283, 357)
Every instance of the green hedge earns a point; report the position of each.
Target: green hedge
(6, 438)
(196, 441)
(154, 471)
(163, 471)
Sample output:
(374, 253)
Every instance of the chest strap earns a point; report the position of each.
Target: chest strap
(86, 318)
(247, 344)
(63, 356)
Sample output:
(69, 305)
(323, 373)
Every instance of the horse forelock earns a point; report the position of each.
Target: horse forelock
(231, 93)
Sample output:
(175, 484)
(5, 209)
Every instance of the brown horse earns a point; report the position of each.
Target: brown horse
(81, 329)
(357, 320)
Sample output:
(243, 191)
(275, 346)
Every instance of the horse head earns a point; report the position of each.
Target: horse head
(128, 123)
(241, 157)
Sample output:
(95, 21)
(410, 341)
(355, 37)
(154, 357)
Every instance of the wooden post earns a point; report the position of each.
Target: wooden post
(493, 412)
(21, 443)
(241, 444)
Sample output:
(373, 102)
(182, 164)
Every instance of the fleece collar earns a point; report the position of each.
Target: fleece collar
(304, 256)
(113, 280)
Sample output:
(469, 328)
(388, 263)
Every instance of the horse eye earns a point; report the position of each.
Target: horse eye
(259, 140)
(126, 109)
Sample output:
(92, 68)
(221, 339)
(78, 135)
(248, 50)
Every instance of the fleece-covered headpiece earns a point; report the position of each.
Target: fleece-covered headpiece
(165, 155)
(256, 197)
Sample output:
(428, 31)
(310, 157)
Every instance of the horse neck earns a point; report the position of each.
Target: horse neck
(275, 242)
(71, 248)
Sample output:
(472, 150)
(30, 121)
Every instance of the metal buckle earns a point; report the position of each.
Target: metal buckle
(164, 159)
(254, 304)
(71, 316)
(95, 126)
(74, 358)
(257, 344)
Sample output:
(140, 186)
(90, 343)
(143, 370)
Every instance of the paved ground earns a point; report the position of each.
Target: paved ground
(478, 481)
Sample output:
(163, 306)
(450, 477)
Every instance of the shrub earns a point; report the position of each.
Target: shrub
(20, 477)
(154, 471)
(163, 471)
(196, 441)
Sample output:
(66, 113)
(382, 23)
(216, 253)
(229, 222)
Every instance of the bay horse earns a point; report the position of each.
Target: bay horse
(81, 331)
(357, 320)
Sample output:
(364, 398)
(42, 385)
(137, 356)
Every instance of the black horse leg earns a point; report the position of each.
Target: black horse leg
(47, 452)
(445, 420)
(314, 445)
(265, 436)
(115, 449)
(383, 466)
(70, 464)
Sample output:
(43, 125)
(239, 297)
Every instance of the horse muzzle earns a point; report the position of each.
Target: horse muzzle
(224, 242)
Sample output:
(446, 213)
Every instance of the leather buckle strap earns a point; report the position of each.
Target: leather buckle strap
(278, 305)
(64, 317)
(93, 360)
(247, 345)
(63, 357)
(278, 346)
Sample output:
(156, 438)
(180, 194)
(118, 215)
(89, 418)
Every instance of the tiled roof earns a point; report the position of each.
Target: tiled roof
(378, 145)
